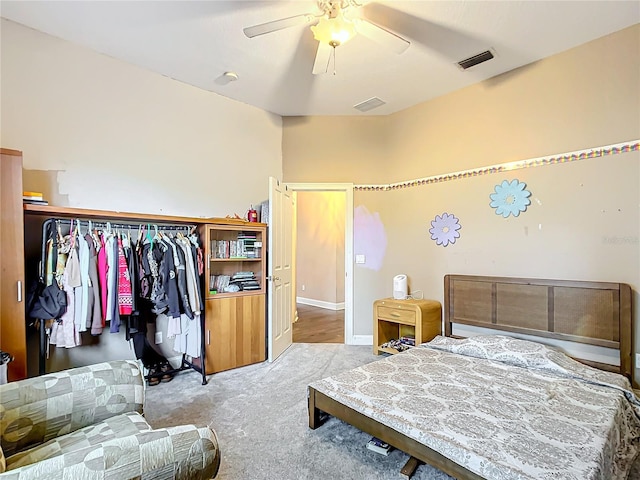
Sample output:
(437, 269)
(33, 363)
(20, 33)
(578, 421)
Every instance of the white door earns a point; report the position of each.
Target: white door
(280, 291)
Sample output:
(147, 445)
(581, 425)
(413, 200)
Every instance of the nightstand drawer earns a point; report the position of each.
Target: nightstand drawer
(396, 315)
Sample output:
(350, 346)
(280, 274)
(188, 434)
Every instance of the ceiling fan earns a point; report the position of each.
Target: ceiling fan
(335, 24)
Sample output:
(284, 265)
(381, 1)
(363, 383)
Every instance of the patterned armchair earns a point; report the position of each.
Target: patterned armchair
(87, 423)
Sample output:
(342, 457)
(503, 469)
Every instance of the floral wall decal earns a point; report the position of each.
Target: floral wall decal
(444, 229)
(510, 198)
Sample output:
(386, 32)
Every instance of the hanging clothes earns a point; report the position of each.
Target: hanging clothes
(63, 331)
(125, 300)
(111, 271)
(94, 305)
(102, 277)
(112, 277)
(107, 277)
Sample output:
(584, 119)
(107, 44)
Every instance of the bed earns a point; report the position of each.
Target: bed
(478, 403)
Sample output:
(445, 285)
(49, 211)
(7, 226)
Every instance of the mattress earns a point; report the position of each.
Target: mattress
(502, 408)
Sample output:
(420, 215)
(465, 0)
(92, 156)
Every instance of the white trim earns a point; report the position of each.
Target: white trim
(347, 188)
(361, 340)
(320, 303)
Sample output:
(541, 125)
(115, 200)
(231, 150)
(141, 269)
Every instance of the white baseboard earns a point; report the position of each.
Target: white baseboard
(360, 340)
(320, 303)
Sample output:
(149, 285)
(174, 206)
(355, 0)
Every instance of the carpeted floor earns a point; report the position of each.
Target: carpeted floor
(260, 415)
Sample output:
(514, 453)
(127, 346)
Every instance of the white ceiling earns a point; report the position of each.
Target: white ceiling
(195, 42)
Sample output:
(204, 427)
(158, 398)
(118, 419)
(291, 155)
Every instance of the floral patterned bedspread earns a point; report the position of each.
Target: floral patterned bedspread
(501, 407)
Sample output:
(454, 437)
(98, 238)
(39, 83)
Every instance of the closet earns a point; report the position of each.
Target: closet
(234, 322)
(122, 278)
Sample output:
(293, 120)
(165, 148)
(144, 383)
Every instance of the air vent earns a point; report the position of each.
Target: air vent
(475, 60)
(373, 102)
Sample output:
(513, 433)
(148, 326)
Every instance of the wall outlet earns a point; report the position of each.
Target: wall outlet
(303, 287)
(158, 338)
(637, 360)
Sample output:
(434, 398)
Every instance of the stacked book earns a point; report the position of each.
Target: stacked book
(248, 243)
(219, 283)
(34, 198)
(245, 280)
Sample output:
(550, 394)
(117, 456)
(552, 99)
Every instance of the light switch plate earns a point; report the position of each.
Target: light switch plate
(637, 360)
(360, 258)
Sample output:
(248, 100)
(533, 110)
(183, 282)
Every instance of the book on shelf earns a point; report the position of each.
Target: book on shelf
(35, 198)
(232, 284)
(378, 446)
(33, 195)
(241, 248)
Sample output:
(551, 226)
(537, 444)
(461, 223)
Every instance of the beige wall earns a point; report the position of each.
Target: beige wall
(320, 246)
(314, 149)
(99, 133)
(583, 223)
(118, 137)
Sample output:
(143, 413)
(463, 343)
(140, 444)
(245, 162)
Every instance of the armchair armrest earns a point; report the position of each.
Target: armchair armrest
(183, 453)
(38, 409)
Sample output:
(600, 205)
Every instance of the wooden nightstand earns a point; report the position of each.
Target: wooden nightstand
(393, 319)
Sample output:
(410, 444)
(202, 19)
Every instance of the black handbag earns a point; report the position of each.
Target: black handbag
(48, 302)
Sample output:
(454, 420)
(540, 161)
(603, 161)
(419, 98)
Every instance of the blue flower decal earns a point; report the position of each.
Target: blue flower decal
(510, 198)
(444, 229)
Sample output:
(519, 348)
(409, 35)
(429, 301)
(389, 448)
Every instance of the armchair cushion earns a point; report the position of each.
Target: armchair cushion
(38, 409)
(181, 453)
(119, 426)
(86, 423)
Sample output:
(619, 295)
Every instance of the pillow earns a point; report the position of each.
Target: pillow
(527, 354)
(522, 353)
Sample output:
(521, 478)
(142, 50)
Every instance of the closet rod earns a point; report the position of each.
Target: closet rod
(128, 226)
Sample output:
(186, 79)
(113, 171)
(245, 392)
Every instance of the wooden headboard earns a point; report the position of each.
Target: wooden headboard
(593, 313)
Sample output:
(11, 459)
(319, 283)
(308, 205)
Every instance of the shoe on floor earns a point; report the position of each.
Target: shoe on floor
(152, 377)
(165, 368)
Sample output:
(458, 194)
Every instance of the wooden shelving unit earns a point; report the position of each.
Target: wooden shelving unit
(235, 321)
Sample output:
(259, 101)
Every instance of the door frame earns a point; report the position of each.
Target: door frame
(347, 188)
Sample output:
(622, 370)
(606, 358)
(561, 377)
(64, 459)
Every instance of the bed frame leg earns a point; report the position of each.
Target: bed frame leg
(314, 413)
(410, 467)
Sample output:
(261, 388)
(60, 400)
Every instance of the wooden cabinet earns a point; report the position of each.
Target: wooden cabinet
(13, 337)
(234, 332)
(392, 319)
(235, 306)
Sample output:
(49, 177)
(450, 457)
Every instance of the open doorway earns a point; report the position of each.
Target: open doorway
(322, 268)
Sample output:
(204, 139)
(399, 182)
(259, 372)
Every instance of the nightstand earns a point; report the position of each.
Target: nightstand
(393, 319)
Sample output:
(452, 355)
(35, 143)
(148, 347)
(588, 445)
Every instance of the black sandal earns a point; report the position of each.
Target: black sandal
(165, 368)
(152, 378)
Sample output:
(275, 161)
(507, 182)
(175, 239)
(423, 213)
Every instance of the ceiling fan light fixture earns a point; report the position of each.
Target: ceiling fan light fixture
(334, 31)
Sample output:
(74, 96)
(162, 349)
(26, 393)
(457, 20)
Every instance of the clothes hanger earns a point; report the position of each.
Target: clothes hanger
(148, 236)
(72, 234)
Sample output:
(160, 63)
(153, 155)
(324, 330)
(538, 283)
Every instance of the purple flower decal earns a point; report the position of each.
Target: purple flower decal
(444, 229)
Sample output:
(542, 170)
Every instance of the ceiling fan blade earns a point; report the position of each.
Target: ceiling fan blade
(381, 35)
(276, 25)
(323, 56)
